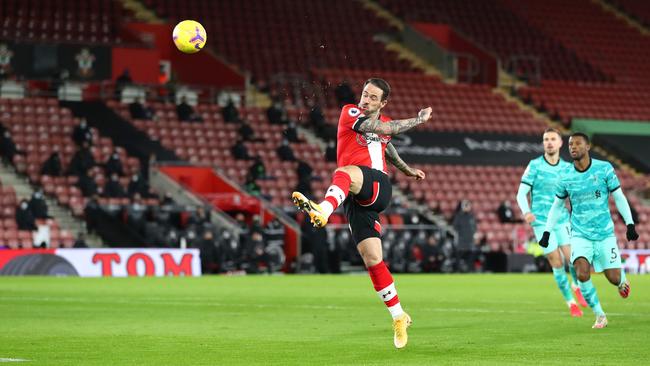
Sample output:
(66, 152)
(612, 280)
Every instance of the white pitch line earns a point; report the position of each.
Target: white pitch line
(13, 360)
(159, 301)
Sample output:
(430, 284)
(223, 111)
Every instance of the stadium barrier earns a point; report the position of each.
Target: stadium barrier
(636, 260)
(101, 262)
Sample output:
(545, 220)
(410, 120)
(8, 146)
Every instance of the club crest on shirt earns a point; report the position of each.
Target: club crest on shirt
(353, 112)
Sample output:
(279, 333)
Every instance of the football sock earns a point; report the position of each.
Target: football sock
(383, 283)
(589, 292)
(623, 278)
(572, 270)
(336, 193)
(562, 283)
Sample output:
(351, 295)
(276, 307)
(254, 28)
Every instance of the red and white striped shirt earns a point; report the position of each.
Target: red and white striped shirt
(359, 148)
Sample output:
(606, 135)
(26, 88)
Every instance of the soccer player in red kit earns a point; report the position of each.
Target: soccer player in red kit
(362, 185)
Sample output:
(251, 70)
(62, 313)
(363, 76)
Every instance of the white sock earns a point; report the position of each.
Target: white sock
(570, 302)
(327, 208)
(396, 310)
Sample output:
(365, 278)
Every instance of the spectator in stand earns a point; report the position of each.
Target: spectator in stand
(121, 82)
(113, 188)
(80, 243)
(304, 170)
(8, 148)
(344, 94)
(251, 186)
(316, 117)
(82, 160)
(87, 184)
(255, 253)
(432, 256)
(435, 208)
(246, 132)
(305, 186)
(291, 132)
(186, 113)
(230, 113)
(199, 218)
(82, 133)
(285, 152)
(257, 170)
(330, 151)
(209, 254)
(24, 218)
(113, 164)
(91, 213)
(276, 113)
(464, 223)
(139, 110)
(52, 166)
(240, 151)
(138, 186)
(136, 213)
(229, 254)
(38, 206)
(478, 251)
(505, 212)
(274, 233)
(319, 124)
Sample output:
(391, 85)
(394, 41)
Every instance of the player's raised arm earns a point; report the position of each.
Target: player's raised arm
(374, 125)
(393, 157)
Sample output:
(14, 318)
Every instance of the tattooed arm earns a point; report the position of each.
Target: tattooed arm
(393, 157)
(374, 125)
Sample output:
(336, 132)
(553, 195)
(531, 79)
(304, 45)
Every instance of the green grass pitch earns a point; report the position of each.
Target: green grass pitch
(314, 320)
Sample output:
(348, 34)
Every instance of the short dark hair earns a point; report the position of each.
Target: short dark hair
(552, 129)
(580, 134)
(381, 84)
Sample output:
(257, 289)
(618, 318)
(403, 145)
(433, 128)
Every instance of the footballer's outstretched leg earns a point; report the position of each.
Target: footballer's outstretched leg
(311, 208)
(346, 180)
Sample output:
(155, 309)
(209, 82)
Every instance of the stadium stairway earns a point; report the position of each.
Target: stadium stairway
(140, 11)
(623, 16)
(383, 13)
(123, 133)
(63, 216)
(416, 61)
(137, 143)
(504, 92)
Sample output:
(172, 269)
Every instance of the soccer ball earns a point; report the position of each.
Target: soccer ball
(189, 36)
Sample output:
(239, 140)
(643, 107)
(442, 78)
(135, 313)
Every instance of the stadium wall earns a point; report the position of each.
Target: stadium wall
(592, 126)
(446, 37)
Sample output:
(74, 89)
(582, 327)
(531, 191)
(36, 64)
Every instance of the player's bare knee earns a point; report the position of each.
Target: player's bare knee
(371, 259)
(583, 276)
(554, 259)
(356, 177)
(348, 169)
(370, 255)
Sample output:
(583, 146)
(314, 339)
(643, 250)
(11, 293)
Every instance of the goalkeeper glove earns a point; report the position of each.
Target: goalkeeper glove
(631, 233)
(543, 242)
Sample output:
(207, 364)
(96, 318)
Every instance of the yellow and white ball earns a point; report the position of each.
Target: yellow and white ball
(189, 36)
